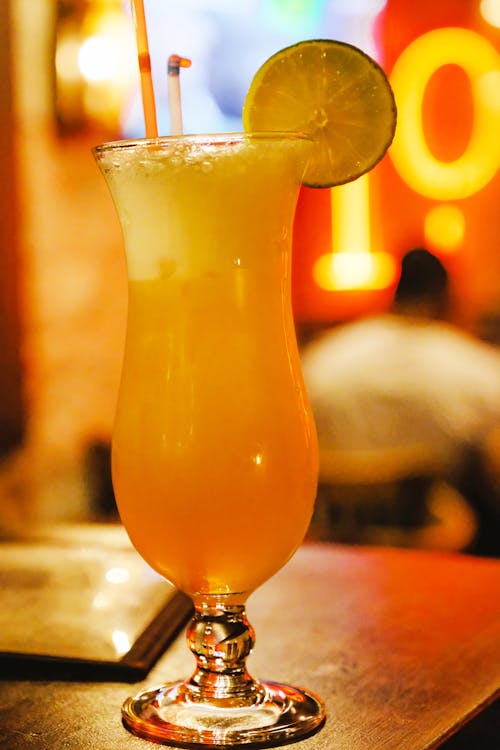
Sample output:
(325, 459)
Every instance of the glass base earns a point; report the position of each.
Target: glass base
(169, 715)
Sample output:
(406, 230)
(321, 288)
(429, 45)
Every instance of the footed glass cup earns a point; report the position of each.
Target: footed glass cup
(214, 452)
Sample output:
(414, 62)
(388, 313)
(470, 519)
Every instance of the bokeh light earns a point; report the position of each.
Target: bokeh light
(444, 227)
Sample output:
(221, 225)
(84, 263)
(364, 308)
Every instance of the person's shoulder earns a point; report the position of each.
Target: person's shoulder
(346, 347)
(453, 341)
(354, 328)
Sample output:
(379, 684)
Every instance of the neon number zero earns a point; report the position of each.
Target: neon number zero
(410, 154)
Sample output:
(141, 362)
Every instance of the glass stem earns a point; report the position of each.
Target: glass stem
(221, 638)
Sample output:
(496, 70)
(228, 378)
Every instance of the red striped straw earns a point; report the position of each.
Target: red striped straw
(147, 91)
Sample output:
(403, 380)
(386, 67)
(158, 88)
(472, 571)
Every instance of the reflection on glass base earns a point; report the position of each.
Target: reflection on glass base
(168, 714)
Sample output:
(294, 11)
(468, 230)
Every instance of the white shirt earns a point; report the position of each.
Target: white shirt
(389, 381)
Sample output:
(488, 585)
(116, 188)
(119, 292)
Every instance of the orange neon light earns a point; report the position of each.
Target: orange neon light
(411, 156)
(351, 264)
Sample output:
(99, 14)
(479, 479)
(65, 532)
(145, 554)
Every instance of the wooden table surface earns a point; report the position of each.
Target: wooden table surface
(403, 646)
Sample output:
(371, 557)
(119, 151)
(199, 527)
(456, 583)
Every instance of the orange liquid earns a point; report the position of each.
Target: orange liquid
(214, 449)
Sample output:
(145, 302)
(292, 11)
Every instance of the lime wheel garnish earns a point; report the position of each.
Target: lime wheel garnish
(335, 94)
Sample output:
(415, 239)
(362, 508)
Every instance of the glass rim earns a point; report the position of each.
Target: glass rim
(208, 139)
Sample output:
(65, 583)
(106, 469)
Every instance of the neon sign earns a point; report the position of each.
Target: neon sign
(351, 263)
(411, 156)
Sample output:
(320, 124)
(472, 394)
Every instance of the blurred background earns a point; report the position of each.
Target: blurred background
(70, 81)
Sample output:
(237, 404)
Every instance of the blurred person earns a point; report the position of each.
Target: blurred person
(404, 399)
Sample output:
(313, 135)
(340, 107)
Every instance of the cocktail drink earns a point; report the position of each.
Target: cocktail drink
(214, 450)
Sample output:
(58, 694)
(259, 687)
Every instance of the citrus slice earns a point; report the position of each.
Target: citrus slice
(335, 94)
